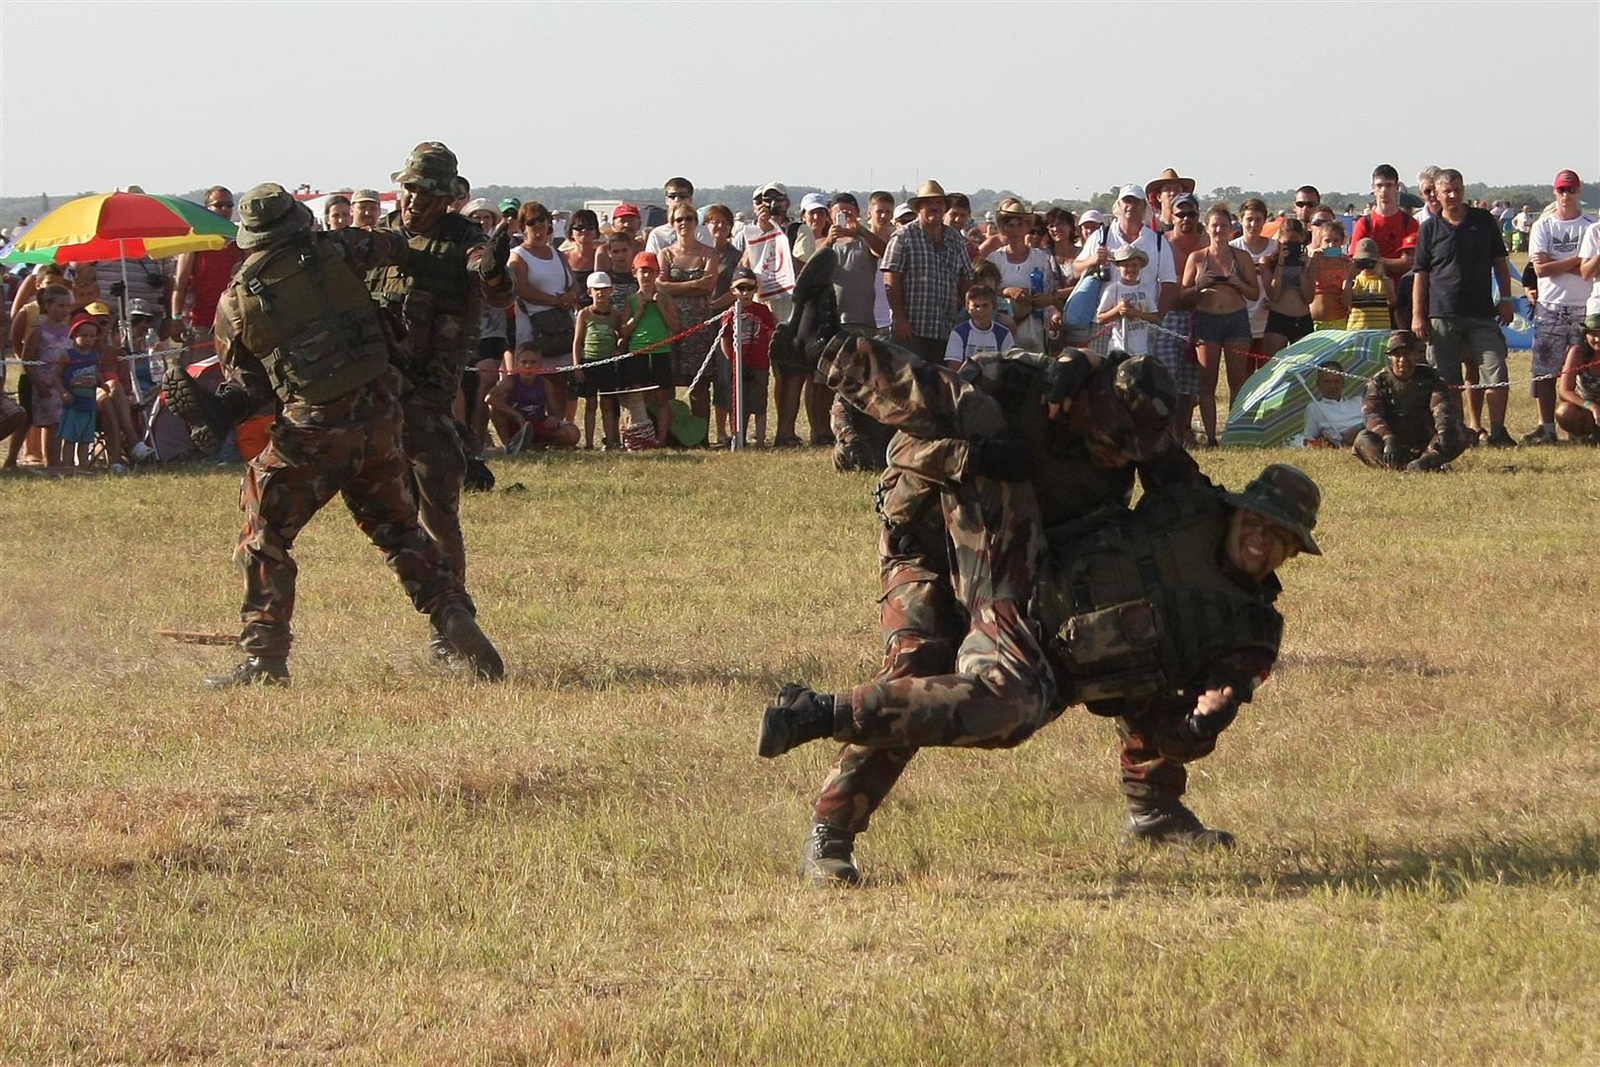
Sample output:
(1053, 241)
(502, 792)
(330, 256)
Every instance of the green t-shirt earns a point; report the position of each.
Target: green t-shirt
(649, 328)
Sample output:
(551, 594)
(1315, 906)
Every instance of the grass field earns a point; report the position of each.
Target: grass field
(589, 863)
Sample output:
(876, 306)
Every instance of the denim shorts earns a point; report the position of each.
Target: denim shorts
(1212, 329)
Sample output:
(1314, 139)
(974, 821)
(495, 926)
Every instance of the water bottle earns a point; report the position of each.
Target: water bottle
(1036, 281)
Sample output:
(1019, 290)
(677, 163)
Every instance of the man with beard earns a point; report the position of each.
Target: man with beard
(435, 299)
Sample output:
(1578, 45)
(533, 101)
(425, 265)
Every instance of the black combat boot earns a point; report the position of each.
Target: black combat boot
(1168, 822)
(460, 630)
(255, 670)
(800, 715)
(827, 858)
(440, 651)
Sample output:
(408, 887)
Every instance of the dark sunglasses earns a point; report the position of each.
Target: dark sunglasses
(1186, 214)
(1567, 189)
(539, 220)
(1302, 203)
(745, 288)
(679, 196)
(580, 229)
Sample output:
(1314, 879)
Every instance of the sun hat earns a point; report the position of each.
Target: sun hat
(1014, 208)
(928, 190)
(1169, 177)
(1129, 252)
(482, 203)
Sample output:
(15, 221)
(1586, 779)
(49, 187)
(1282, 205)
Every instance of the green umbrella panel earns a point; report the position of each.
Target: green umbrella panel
(1272, 406)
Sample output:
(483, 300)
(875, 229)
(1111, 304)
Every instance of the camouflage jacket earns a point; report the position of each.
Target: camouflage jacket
(941, 411)
(1413, 412)
(364, 250)
(436, 299)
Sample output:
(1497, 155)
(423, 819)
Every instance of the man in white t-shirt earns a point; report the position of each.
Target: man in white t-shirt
(1128, 228)
(1332, 419)
(1553, 247)
(678, 192)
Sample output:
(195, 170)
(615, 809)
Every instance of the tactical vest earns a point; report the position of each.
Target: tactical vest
(436, 270)
(306, 314)
(1408, 405)
(1138, 608)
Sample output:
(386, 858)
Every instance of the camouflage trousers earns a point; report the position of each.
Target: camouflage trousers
(1146, 774)
(350, 448)
(1001, 689)
(860, 442)
(438, 465)
(1434, 452)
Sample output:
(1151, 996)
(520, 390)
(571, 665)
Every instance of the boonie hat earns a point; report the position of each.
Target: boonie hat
(812, 201)
(1367, 248)
(1133, 405)
(430, 167)
(599, 280)
(1288, 497)
(1128, 252)
(268, 213)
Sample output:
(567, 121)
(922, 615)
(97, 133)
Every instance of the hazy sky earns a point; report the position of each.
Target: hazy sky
(1057, 99)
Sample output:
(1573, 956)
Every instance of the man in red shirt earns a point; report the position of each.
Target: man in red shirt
(205, 275)
(1387, 223)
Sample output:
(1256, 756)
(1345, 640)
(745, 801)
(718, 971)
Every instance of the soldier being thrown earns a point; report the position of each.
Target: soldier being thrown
(297, 323)
(1409, 420)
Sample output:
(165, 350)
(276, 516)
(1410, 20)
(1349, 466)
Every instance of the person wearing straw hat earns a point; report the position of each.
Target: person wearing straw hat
(1163, 191)
(926, 272)
(297, 326)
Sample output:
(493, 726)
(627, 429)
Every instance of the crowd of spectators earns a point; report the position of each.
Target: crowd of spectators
(636, 326)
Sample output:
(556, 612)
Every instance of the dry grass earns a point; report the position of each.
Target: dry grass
(588, 864)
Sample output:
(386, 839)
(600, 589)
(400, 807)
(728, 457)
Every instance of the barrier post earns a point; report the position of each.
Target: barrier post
(738, 380)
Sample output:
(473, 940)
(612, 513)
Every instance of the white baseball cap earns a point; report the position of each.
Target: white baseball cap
(902, 211)
(599, 280)
(813, 200)
(1131, 192)
(1091, 216)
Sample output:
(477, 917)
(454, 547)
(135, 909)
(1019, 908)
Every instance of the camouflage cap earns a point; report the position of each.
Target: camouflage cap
(1132, 400)
(267, 213)
(430, 167)
(1288, 497)
(362, 196)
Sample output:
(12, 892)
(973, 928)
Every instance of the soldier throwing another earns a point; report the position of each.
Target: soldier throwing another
(296, 323)
(436, 295)
(1409, 419)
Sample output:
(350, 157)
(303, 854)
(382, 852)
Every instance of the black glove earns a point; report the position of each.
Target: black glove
(1205, 728)
(493, 263)
(478, 478)
(1392, 454)
(1005, 459)
(1064, 376)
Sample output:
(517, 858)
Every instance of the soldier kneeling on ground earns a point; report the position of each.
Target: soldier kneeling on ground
(298, 325)
(1410, 423)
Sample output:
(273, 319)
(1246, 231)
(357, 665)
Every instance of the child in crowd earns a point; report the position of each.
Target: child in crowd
(757, 324)
(1371, 290)
(1129, 301)
(980, 333)
(80, 382)
(1332, 419)
(986, 273)
(616, 260)
(46, 352)
(598, 336)
(518, 407)
(1330, 279)
(652, 318)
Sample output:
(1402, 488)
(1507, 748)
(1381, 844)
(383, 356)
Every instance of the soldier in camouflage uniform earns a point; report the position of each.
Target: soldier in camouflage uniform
(860, 442)
(1410, 422)
(1002, 691)
(296, 324)
(436, 297)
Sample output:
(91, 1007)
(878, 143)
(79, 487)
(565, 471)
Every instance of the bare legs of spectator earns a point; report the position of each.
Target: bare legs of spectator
(1236, 361)
(1577, 421)
(819, 407)
(663, 399)
(116, 422)
(14, 429)
(488, 374)
(557, 396)
(788, 388)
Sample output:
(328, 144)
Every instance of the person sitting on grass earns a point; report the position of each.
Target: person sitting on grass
(1410, 422)
(980, 333)
(1578, 389)
(1332, 419)
(520, 411)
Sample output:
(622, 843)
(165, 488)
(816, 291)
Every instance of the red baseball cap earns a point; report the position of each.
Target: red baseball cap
(646, 259)
(80, 322)
(1566, 177)
(624, 209)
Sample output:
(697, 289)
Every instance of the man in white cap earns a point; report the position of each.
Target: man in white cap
(814, 221)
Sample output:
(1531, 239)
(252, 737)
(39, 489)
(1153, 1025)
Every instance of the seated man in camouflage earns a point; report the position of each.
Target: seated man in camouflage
(1578, 388)
(1410, 422)
(999, 690)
